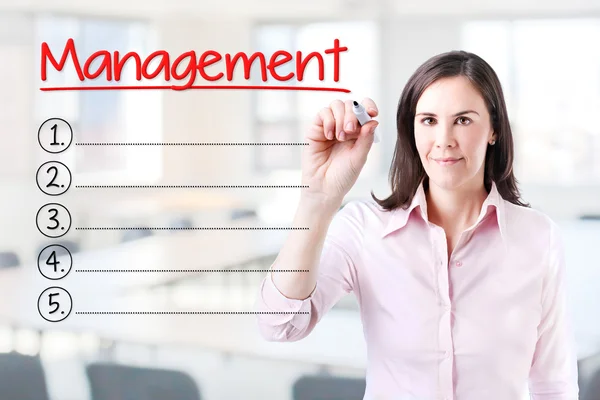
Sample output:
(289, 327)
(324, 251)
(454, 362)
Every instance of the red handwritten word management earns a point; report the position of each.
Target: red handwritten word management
(186, 67)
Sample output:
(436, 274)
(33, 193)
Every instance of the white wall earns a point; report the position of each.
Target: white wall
(313, 9)
(409, 41)
(223, 115)
(205, 115)
(16, 79)
(18, 132)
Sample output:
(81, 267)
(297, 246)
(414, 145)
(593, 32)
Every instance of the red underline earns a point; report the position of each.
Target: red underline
(213, 87)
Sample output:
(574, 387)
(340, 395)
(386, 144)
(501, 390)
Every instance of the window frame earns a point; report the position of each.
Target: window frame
(296, 122)
(132, 172)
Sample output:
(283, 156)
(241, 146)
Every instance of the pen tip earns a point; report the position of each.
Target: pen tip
(355, 103)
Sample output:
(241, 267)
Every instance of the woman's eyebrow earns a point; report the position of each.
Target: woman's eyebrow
(455, 115)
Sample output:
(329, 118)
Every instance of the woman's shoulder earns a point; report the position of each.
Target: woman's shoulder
(528, 220)
(366, 212)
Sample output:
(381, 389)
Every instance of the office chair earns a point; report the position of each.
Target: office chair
(328, 388)
(238, 214)
(180, 223)
(9, 259)
(22, 377)
(109, 381)
(135, 234)
(589, 377)
(72, 246)
(591, 390)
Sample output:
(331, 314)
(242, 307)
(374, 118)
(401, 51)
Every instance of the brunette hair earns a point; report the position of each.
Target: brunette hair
(406, 170)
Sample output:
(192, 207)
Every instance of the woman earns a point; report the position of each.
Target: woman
(461, 285)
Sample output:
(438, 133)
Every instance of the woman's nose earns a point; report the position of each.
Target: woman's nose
(444, 136)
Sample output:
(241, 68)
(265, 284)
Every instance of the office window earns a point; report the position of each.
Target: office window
(551, 75)
(101, 115)
(284, 116)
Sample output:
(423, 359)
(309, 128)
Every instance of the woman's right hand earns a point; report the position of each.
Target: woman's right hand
(337, 150)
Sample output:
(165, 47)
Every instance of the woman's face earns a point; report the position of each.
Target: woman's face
(452, 132)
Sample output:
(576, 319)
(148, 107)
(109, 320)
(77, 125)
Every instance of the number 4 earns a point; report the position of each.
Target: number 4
(52, 260)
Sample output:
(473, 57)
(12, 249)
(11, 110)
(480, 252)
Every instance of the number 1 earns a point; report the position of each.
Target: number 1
(54, 142)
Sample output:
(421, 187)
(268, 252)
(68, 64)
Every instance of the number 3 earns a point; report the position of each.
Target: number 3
(53, 218)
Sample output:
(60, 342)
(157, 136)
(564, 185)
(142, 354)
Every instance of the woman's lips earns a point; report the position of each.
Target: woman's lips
(447, 161)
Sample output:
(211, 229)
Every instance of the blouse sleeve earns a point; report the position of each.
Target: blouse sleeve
(553, 373)
(284, 319)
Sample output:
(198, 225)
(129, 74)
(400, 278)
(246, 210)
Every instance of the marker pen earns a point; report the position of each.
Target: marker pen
(363, 117)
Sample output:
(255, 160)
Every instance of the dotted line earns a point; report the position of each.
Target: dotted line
(190, 312)
(192, 270)
(185, 228)
(192, 144)
(191, 186)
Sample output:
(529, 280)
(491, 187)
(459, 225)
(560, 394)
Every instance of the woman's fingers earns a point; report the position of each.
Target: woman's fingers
(328, 123)
(338, 121)
(351, 125)
(370, 106)
(337, 108)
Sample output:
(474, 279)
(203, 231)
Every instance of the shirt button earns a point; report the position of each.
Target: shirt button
(447, 354)
(459, 264)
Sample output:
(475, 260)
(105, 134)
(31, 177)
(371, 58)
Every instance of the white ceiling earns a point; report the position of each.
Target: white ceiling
(305, 9)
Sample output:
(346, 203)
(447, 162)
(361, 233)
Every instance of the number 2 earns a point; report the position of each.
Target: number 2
(54, 178)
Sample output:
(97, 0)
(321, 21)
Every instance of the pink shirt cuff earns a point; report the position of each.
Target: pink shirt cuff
(277, 301)
(274, 300)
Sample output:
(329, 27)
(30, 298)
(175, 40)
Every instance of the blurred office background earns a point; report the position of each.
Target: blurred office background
(545, 53)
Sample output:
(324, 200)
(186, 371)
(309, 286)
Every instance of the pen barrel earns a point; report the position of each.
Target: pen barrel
(363, 118)
(361, 115)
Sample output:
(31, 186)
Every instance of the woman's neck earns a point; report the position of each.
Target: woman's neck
(455, 210)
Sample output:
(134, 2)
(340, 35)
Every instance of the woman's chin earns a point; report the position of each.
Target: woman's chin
(447, 182)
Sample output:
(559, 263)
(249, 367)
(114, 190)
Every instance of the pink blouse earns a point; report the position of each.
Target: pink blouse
(488, 323)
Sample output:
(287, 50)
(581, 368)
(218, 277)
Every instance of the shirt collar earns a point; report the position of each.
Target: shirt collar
(399, 217)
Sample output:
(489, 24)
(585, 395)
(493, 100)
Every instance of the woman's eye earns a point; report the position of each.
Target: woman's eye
(464, 121)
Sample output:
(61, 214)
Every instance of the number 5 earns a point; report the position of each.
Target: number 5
(50, 302)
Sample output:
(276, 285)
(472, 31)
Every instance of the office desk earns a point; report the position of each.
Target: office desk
(174, 201)
(212, 250)
(228, 334)
(186, 250)
(231, 334)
